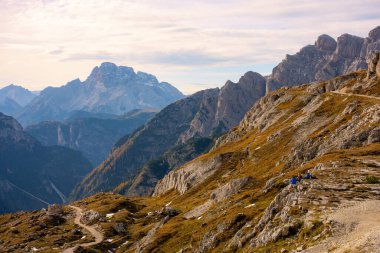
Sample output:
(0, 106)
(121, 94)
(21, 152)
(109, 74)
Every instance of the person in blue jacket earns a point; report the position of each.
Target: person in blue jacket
(293, 180)
(308, 175)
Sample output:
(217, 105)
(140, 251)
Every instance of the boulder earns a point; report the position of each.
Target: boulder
(374, 135)
(120, 228)
(90, 217)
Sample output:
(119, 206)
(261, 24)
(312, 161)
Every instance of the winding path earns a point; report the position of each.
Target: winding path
(357, 95)
(95, 233)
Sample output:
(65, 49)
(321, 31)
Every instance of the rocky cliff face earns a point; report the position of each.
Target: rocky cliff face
(145, 182)
(95, 137)
(203, 114)
(330, 128)
(31, 174)
(325, 59)
(109, 89)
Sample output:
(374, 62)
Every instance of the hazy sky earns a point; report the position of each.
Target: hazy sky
(193, 44)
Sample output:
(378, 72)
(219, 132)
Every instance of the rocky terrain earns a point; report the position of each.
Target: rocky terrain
(224, 109)
(32, 175)
(202, 115)
(91, 135)
(108, 89)
(13, 98)
(326, 59)
(237, 197)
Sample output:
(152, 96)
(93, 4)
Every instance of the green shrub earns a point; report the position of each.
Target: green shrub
(372, 180)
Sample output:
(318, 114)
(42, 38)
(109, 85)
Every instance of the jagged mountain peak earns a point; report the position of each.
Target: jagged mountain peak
(325, 59)
(326, 42)
(109, 89)
(111, 75)
(19, 94)
(374, 34)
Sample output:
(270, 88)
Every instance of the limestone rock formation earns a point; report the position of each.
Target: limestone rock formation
(373, 65)
(325, 59)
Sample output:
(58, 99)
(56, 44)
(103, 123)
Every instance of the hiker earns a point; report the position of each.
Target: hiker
(293, 181)
(308, 175)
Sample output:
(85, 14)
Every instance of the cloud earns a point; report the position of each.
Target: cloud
(61, 39)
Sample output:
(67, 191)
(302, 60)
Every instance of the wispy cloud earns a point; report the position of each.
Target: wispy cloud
(184, 42)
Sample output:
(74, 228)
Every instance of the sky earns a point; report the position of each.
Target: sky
(192, 44)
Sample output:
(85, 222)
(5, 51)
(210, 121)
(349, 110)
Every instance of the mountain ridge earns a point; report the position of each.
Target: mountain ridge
(29, 169)
(87, 133)
(108, 89)
(199, 115)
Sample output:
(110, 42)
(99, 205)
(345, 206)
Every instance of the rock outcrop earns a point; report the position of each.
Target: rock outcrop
(325, 59)
(218, 195)
(373, 65)
(90, 217)
(188, 176)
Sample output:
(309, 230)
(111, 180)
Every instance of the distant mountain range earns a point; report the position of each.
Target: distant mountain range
(13, 98)
(214, 110)
(109, 89)
(32, 175)
(93, 134)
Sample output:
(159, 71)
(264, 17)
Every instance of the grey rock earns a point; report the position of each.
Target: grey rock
(326, 42)
(373, 61)
(169, 212)
(374, 135)
(55, 210)
(90, 217)
(374, 34)
(188, 176)
(120, 228)
(218, 195)
(324, 60)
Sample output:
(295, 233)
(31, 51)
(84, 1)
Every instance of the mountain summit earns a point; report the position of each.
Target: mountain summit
(108, 89)
(13, 98)
(325, 59)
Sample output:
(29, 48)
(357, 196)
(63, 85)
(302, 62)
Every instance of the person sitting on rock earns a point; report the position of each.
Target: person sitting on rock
(293, 181)
(308, 175)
